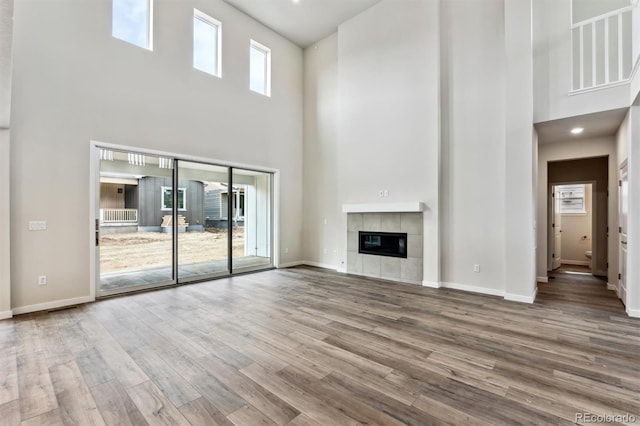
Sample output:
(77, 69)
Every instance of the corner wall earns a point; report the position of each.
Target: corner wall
(473, 145)
(321, 209)
(74, 83)
(5, 248)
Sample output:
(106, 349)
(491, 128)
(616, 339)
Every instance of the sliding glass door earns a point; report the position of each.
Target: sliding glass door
(203, 237)
(165, 221)
(135, 242)
(251, 220)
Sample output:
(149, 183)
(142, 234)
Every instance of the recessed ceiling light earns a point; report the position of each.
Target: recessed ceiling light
(577, 130)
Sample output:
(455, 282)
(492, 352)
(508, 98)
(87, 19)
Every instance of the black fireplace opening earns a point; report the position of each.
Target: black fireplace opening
(392, 244)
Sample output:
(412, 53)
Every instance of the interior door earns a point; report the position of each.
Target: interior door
(556, 226)
(623, 190)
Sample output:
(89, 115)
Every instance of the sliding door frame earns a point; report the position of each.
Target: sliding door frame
(94, 209)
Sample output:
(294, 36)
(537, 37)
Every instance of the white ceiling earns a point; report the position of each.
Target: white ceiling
(595, 125)
(306, 21)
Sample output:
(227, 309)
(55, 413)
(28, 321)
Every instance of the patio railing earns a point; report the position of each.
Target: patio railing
(118, 216)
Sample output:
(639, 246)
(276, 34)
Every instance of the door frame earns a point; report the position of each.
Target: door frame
(94, 202)
(623, 171)
(594, 221)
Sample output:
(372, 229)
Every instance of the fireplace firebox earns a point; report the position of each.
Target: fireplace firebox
(392, 244)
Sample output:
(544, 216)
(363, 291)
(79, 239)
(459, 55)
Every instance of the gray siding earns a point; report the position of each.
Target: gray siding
(150, 199)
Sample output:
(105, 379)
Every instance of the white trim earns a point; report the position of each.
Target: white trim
(473, 289)
(430, 284)
(6, 315)
(409, 207)
(319, 265)
(520, 298)
(203, 17)
(290, 264)
(542, 279)
(342, 270)
(598, 87)
(612, 287)
(267, 66)
(634, 313)
(53, 305)
(575, 262)
(168, 209)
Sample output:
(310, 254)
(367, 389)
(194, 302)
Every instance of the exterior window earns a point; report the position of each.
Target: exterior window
(206, 43)
(167, 198)
(572, 199)
(132, 22)
(260, 68)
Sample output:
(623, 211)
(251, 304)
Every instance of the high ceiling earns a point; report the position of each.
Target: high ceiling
(302, 21)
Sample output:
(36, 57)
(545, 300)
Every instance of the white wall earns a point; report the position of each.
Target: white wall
(388, 124)
(520, 151)
(569, 150)
(473, 144)
(74, 83)
(5, 266)
(320, 199)
(574, 228)
(6, 39)
(552, 68)
(633, 240)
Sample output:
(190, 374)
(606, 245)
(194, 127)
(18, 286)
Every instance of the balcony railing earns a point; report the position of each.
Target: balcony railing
(602, 49)
(113, 216)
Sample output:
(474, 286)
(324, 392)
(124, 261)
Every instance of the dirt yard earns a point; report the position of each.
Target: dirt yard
(142, 250)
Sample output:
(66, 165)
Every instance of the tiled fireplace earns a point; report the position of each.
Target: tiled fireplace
(395, 268)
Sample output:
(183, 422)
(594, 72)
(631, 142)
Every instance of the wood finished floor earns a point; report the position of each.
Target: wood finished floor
(306, 347)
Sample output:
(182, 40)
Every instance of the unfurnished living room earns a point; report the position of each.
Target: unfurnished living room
(319, 212)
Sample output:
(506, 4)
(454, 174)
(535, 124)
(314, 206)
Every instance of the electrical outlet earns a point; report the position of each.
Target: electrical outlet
(42, 280)
(476, 268)
(37, 225)
(386, 192)
(381, 193)
(286, 250)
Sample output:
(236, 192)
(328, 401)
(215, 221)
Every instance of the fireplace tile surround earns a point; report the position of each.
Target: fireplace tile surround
(409, 270)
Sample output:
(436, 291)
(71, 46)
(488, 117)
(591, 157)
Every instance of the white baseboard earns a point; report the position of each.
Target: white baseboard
(542, 279)
(53, 305)
(612, 287)
(634, 313)
(6, 315)
(319, 265)
(290, 264)
(576, 262)
(342, 270)
(430, 284)
(520, 298)
(473, 289)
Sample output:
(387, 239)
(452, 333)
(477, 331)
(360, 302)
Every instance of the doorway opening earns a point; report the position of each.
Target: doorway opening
(162, 220)
(573, 227)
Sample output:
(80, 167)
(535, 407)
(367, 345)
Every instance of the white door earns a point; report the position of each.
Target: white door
(556, 225)
(623, 189)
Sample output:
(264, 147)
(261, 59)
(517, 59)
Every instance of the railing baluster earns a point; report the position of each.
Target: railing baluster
(620, 47)
(582, 57)
(593, 54)
(606, 50)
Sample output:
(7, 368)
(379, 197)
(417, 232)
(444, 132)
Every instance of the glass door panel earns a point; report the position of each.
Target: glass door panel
(251, 220)
(203, 232)
(135, 240)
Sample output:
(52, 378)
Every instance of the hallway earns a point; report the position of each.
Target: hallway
(571, 289)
